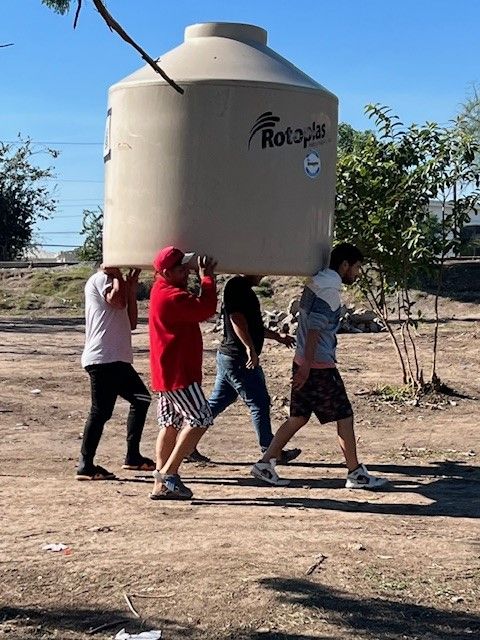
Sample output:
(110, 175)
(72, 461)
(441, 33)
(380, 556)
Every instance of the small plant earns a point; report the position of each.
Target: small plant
(394, 393)
(264, 289)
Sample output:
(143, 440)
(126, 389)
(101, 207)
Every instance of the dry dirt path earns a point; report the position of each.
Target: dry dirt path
(234, 562)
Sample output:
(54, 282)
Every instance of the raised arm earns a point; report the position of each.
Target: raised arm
(190, 308)
(131, 289)
(116, 295)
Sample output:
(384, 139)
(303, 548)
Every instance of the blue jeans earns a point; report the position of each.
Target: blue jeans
(234, 380)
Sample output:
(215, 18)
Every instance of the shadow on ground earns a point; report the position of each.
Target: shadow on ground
(42, 325)
(350, 615)
(452, 492)
(377, 618)
(22, 621)
(29, 622)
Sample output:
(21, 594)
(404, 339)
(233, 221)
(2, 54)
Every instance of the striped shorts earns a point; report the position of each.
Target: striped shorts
(187, 405)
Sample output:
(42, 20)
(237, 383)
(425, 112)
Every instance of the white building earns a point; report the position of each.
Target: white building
(470, 234)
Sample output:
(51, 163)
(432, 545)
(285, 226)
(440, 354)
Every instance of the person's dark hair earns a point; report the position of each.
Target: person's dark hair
(345, 251)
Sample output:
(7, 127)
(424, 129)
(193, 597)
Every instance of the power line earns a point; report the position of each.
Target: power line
(85, 205)
(64, 246)
(70, 180)
(72, 142)
(61, 216)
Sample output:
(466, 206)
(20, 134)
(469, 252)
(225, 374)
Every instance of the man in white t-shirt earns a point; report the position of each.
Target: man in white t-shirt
(110, 316)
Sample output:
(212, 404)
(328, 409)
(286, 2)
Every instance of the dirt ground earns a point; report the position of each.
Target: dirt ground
(312, 560)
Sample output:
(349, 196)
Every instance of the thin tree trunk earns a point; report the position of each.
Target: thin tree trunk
(383, 313)
(418, 371)
(434, 378)
(404, 340)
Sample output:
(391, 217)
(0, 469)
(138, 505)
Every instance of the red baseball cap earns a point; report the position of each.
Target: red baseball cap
(170, 257)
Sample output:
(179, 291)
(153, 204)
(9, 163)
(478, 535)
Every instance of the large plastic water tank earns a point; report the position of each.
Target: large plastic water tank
(241, 166)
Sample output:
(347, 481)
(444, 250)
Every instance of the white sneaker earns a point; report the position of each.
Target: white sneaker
(362, 479)
(266, 471)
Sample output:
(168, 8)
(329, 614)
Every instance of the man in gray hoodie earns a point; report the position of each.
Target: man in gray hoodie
(317, 386)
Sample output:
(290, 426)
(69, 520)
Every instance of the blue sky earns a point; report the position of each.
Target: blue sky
(418, 56)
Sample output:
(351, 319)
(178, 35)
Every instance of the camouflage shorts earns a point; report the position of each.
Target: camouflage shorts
(323, 394)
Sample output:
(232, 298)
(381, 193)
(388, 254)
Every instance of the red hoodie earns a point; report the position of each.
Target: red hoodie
(176, 347)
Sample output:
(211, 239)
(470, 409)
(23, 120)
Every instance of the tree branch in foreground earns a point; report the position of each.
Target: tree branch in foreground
(115, 26)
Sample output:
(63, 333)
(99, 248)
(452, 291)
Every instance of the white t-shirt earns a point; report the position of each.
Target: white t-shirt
(108, 335)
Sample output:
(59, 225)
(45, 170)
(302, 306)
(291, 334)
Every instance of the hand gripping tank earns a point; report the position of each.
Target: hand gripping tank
(241, 166)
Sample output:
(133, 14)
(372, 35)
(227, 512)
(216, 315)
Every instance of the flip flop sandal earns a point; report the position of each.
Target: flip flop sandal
(166, 494)
(288, 455)
(196, 456)
(98, 473)
(145, 465)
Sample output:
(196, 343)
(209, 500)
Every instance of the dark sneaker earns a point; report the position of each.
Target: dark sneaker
(172, 488)
(139, 464)
(196, 456)
(94, 472)
(288, 455)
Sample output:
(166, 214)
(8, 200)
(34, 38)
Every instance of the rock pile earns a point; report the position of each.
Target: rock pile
(353, 320)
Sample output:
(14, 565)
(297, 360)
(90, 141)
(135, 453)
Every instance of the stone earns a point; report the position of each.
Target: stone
(360, 316)
(294, 306)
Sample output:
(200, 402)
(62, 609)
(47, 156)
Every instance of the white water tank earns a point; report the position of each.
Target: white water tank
(241, 166)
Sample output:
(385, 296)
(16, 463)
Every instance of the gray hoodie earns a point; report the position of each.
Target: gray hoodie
(320, 310)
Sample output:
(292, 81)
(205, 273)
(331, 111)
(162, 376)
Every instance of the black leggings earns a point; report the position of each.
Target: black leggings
(108, 381)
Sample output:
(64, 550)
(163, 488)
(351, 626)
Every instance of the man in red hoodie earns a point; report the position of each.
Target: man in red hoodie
(176, 353)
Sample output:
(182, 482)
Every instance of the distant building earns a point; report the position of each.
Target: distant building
(469, 235)
(67, 256)
(39, 256)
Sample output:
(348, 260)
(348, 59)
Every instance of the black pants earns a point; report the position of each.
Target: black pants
(108, 381)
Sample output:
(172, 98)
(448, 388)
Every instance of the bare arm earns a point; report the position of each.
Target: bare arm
(117, 293)
(240, 326)
(287, 340)
(303, 370)
(131, 289)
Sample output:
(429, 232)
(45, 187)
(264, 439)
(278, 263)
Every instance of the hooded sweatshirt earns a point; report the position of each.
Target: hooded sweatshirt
(176, 347)
(320, 311)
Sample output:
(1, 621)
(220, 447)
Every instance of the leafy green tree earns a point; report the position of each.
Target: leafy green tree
(24, 197)
(61, 6)
(92, 229)
(469, 117)
(350, 140)
(456, 169)
(385, 182)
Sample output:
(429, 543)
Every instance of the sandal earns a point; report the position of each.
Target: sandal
(95, 473)
(172, 487)
(196, 456)
(142, 464)
(288, 455)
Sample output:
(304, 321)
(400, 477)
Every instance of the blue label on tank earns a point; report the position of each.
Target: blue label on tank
(312, 164)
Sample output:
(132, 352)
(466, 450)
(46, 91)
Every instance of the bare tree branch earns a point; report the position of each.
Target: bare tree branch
(115, 26)
(10, 44)
(77, 13)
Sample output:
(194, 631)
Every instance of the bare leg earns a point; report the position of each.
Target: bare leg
(165, 444)
(286, 432)
(166, 439)
(187, 440)
(348, 445)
